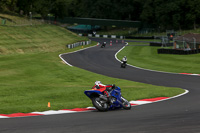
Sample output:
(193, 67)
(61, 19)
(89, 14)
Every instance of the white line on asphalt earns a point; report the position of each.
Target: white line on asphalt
(140, 67)
(70, 53)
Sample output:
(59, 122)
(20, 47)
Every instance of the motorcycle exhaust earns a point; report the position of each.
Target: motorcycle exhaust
(103, 98)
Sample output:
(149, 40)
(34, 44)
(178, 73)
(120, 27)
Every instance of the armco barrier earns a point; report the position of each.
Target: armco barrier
(102, 36)
(160, 44)
(140, 37)
(70, 46)
(177, 51)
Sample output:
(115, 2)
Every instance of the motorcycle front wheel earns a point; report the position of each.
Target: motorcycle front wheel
(125, 103)
(99, 104)
(123, 65)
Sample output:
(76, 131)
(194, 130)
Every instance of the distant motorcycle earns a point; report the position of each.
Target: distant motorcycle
(102, 103)
(103, 45)
(123, 64)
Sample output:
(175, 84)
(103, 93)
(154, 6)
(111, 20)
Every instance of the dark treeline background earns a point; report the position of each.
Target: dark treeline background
(164, 14)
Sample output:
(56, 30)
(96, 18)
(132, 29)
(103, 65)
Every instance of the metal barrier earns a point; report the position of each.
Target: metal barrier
(102, 36)
(176, 51)
(70, 46)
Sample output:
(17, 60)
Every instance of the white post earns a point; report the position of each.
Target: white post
(194, 42)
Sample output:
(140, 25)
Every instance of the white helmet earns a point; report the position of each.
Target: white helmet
(97, 82)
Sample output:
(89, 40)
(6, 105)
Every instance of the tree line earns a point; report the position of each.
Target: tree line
(168, 14)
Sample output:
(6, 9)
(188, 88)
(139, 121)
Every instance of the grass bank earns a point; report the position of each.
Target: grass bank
(16, 20)
(34, 39)
(147, 57)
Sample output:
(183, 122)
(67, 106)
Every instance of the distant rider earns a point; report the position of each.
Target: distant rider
(124, 60)
(103, 44)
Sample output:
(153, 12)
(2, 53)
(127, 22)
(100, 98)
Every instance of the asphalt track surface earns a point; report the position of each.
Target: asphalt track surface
(179, 115)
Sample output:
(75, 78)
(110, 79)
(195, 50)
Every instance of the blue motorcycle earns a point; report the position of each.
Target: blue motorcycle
(103, 103)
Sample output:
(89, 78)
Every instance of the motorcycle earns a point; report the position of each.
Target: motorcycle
(123, 64)
(103, 103)
(103, 45)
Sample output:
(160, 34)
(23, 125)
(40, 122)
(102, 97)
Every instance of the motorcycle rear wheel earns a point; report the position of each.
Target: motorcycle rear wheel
(99, 104)
(125, 104)
(123, 65)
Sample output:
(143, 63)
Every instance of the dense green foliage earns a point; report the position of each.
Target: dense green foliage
(168, 14)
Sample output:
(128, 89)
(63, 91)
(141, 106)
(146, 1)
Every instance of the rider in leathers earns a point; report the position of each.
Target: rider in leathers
(124, 60)
(105, 89)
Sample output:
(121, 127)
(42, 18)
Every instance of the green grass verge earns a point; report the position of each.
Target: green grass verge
(15, 20)
(29, 82)
(147, 57)
(32, 74)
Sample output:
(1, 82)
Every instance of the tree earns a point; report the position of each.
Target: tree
(42, 7)
(62, 8)
(148, 12)
(8, 5)
(168, 14)
(25, 6)
(193, 14)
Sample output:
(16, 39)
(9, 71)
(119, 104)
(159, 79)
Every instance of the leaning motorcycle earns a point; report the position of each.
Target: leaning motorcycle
(123, 64)
(103, 45)
(102, 103)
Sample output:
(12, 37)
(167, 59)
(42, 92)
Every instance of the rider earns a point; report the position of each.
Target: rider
(124, 60)
(104, 44)
(104, 88)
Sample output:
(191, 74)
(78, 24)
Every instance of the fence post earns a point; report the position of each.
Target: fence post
(3, 21)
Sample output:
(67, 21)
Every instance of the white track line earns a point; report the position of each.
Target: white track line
(53, 112)
(149, 69)
(138, 67)
(186, 91)
(73, 52)
(88, 109)
(147, 102)
(140, 102)
(4, 117)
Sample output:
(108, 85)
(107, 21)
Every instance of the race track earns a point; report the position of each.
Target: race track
(179, 115)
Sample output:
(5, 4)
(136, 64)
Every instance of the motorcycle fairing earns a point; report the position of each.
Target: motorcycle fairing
(89, 93)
